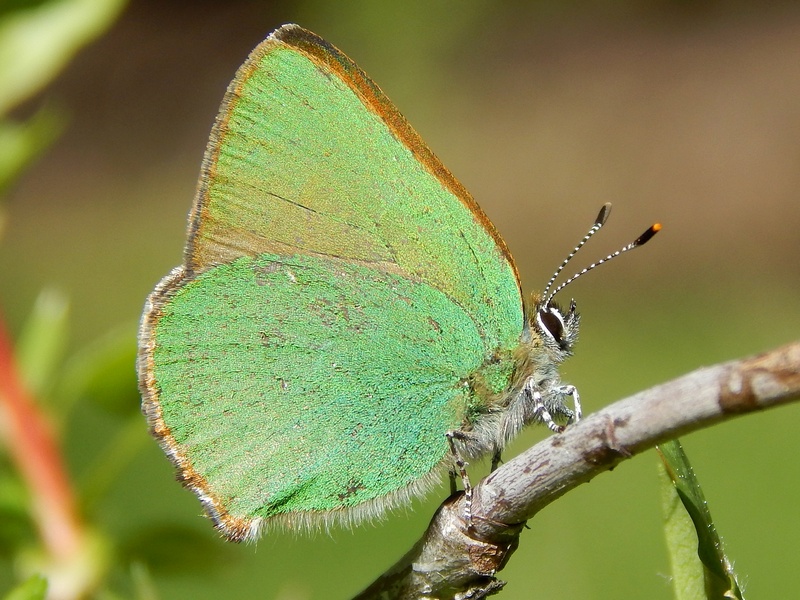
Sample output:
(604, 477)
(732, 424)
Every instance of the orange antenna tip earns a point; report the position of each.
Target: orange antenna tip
(647, 235)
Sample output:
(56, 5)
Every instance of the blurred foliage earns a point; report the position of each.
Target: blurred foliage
(40, 348)
(101, 377)
(37, 40)
(21, 143)
(33, 588)
(112, 225)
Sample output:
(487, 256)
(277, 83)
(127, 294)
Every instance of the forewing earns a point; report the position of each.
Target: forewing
(309, 157)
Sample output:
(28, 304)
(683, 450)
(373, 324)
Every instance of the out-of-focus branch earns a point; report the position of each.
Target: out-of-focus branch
(33, 448)
(455, 559)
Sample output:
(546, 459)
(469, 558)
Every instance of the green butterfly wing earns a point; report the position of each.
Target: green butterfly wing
(339, 287)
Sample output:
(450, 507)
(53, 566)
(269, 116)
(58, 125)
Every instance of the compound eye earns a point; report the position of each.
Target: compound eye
(552, 323)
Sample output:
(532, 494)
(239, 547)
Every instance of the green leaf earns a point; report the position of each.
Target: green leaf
(144, 586)
(37, 41)
(688, 580)
(700, 568)
(104, 374)
(112, 462)
(21, 143)
(17, 527)
(33, 588)
(41, 345)
(73, 574)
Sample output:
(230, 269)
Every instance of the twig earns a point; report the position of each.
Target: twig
(455, 559)
(31, 444)
(33, 448)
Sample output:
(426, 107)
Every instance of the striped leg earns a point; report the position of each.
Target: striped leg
(461, 465)
(571, 390)
(543, 414)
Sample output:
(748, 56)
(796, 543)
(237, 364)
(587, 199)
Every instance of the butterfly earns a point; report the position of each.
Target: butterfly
(344, 308)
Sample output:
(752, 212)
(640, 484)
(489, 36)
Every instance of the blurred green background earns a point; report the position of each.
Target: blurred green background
(687, 113)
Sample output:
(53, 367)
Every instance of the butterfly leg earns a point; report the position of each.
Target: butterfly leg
(571, 390)
(539, 409)
(461, 465)
(496, 460)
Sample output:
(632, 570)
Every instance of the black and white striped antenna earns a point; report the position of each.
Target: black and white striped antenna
(601, 219)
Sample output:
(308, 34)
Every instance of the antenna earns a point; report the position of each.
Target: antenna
(599, 222)
(601, 219)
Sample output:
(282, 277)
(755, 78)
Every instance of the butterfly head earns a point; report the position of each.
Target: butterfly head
(558, 329)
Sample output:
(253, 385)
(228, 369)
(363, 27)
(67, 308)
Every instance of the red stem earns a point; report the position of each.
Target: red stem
(33, 448)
